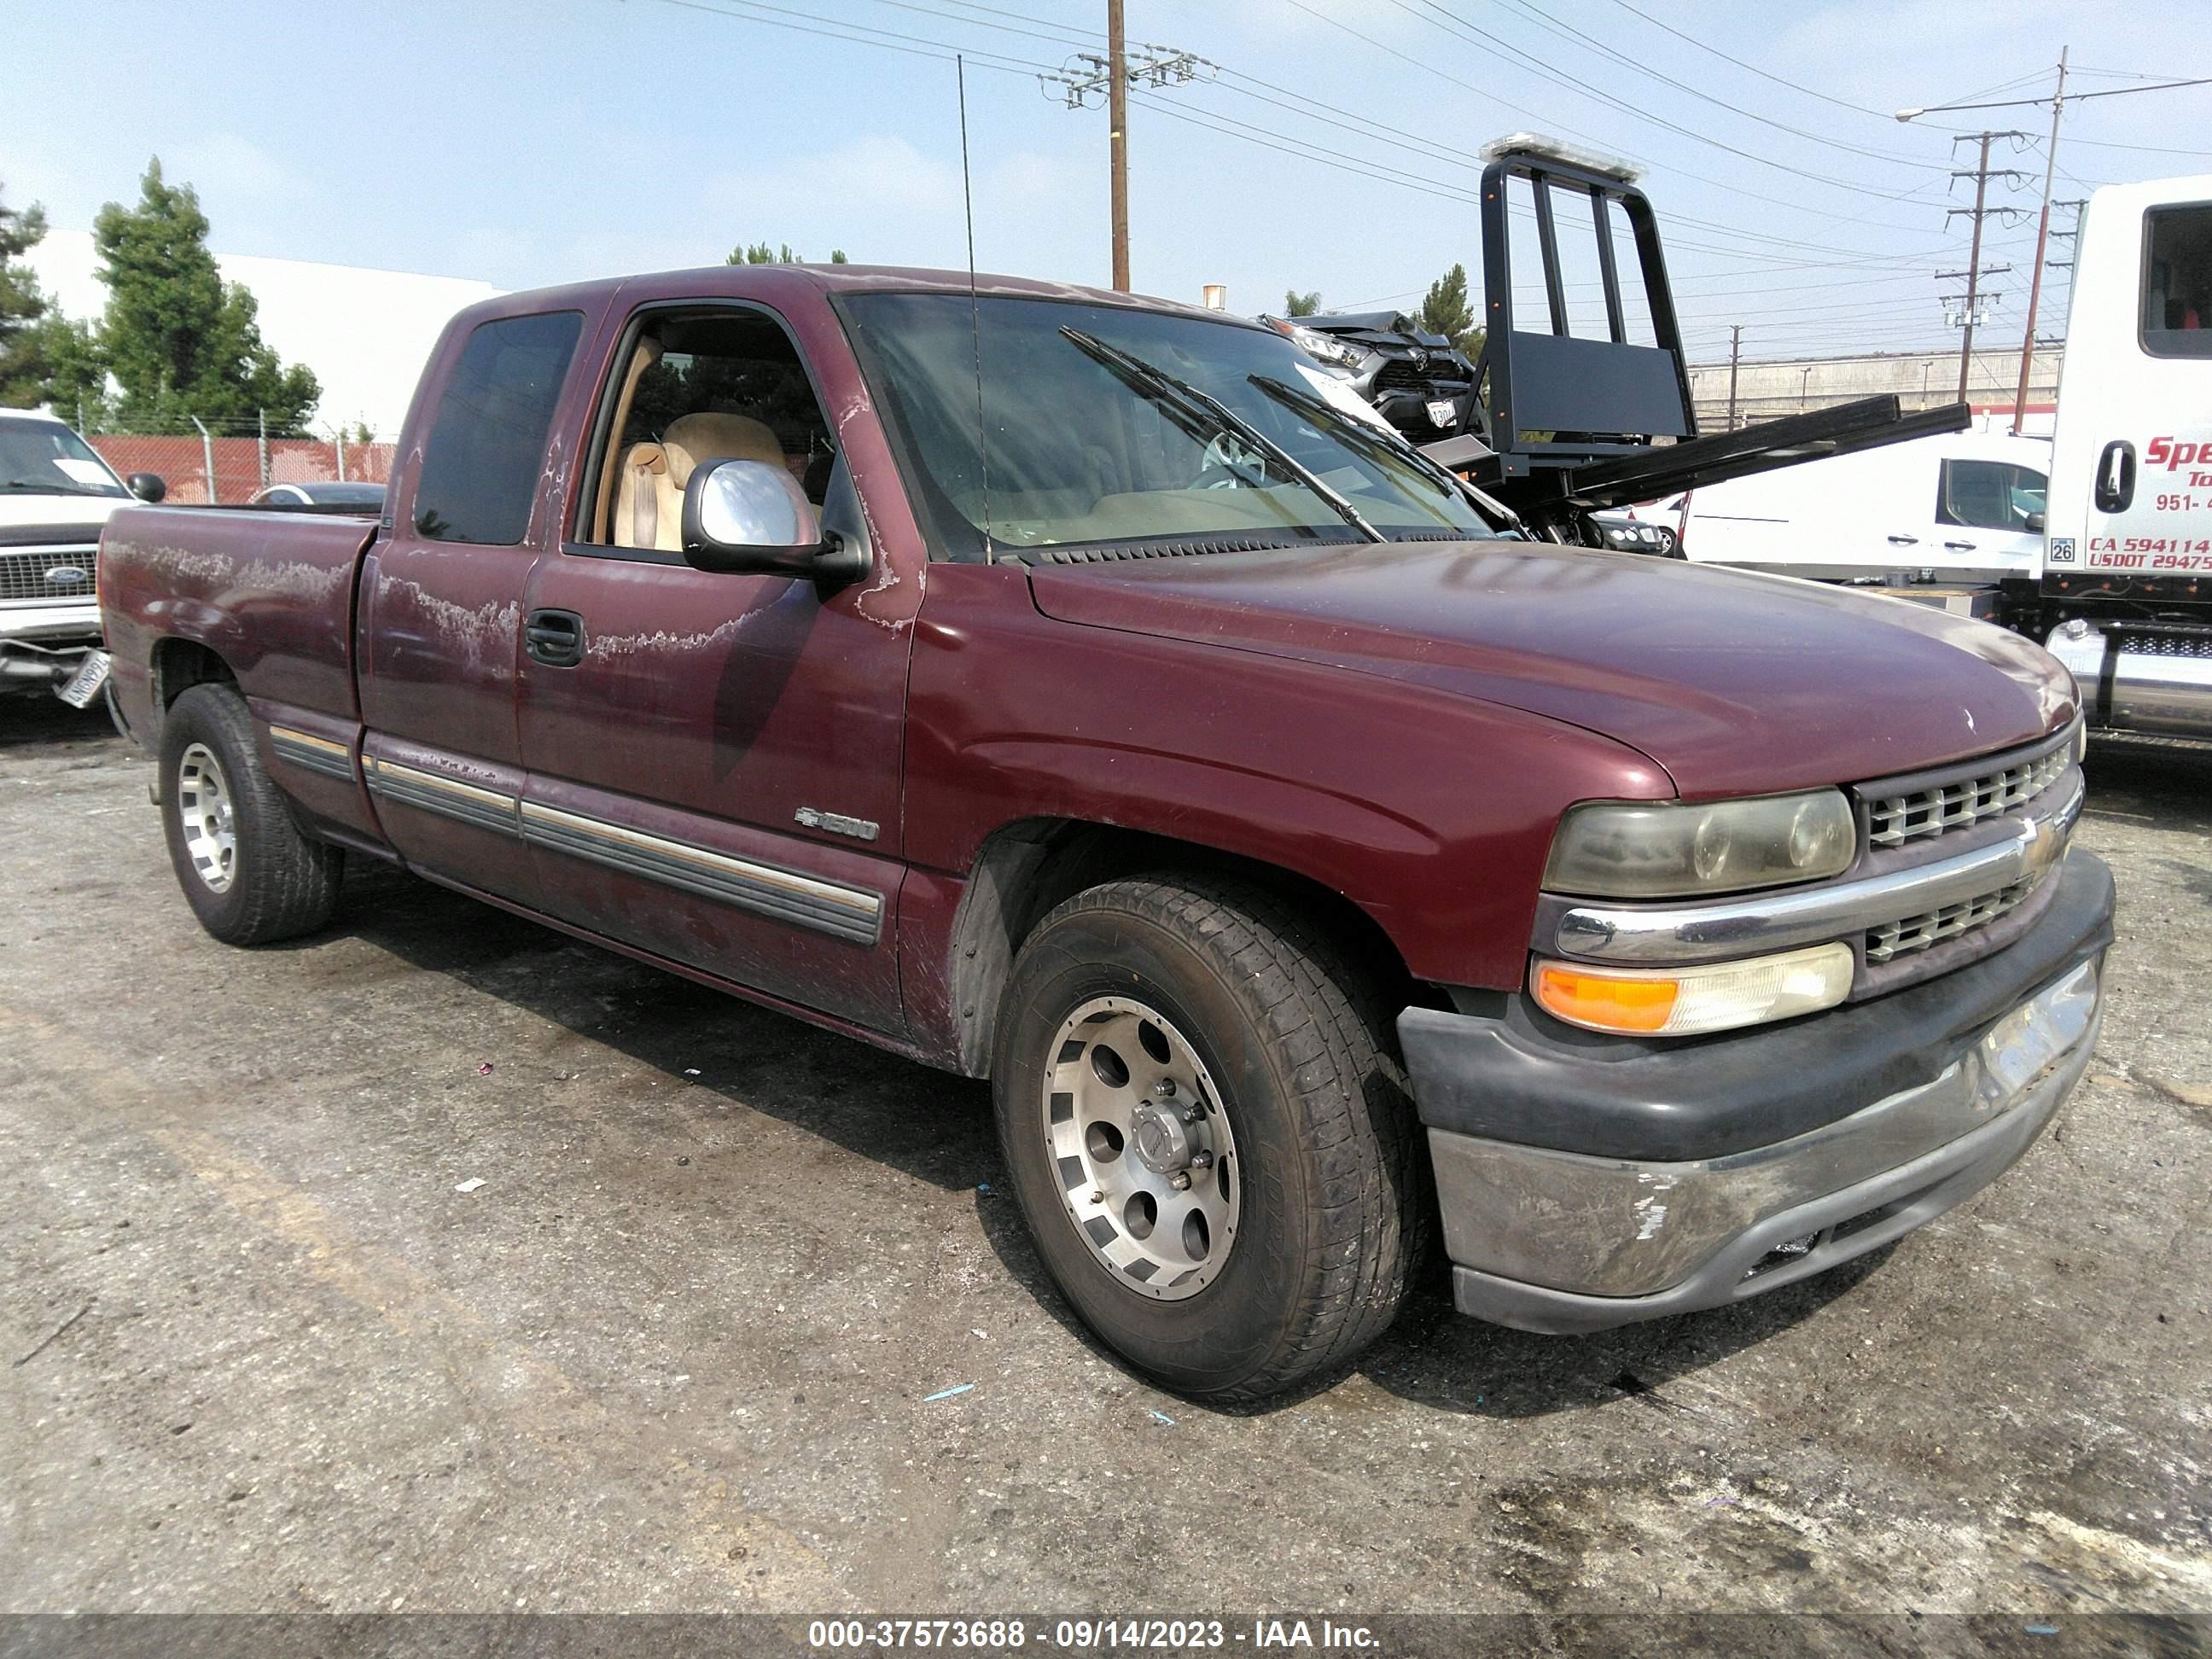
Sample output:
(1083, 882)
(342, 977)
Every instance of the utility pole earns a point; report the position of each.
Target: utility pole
(1117, 139)
(1113, 73)
(1981, 175)
(264, 414)
(2042, 239)
(1735, 347)
(2057, 102)
(2081, 205)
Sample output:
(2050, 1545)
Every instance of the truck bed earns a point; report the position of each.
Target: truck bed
(269, 593)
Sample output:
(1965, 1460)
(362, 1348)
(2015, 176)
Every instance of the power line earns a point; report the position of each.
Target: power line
(1546, 121)
(1880, 115)
(1568, 32)
(1750, 254)
(1521, 60)
(926, 47)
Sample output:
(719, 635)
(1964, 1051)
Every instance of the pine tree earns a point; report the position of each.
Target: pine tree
(22, 309)
(179, 341)
(1445, 311)
(76, 373)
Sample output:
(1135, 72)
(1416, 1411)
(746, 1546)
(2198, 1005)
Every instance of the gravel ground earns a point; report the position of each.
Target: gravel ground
(677, 1352)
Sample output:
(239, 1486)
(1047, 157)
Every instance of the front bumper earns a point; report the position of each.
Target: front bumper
(1587, 1182)
(53, 624)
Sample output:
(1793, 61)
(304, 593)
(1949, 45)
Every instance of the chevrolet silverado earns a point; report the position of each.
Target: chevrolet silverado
(1060, 688)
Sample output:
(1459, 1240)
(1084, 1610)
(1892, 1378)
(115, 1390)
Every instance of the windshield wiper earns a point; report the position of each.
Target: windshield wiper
(38, 488)
(1153, 385)
(1392, 444)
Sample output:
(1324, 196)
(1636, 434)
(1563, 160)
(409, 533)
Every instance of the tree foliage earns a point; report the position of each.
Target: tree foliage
(1445, 311)
(76, 373)
(22, 308)
(179, 340)
(1296, 304)
(760, 254)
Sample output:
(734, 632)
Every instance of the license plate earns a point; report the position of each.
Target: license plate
(84, 686)
(1441, 413)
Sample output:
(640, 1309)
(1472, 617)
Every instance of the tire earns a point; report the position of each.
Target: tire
(250, 875)
(1312, 1187)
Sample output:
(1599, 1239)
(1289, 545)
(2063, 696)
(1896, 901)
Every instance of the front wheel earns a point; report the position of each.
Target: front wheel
(1208, 1134)
(249, 873)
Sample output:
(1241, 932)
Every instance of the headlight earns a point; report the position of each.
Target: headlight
(1665, 850)
(1685, 1001)
(1328, 348)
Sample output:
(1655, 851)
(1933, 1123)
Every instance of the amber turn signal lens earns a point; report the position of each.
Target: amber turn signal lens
(1605, 1002)
(1716, 996)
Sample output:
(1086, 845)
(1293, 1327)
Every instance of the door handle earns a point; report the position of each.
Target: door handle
(1960, 547)
(1905, 541)
(555, 638)
(2116, 477)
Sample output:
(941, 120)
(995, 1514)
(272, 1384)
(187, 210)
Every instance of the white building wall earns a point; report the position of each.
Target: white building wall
(1771, 387)
(364, 332)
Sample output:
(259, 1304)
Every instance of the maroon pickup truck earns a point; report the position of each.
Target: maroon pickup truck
(1076, 691)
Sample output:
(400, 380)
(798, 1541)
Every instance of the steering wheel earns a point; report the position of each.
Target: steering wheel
(1230, 463)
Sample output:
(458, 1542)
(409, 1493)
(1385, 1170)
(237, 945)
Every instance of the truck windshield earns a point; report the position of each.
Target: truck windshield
(43, 458)
(1107, 424)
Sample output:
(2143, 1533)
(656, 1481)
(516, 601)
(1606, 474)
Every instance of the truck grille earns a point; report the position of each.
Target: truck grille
(1892, 820)
(24, 575)
(1907, 934)
(1401, 374)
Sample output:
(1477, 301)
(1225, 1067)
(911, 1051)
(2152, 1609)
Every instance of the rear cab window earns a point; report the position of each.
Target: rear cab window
(480, 469)
(2177, 281)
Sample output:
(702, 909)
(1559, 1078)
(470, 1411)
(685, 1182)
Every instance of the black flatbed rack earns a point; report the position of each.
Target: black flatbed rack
(1575, 424)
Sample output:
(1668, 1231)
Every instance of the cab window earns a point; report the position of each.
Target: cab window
(487, 447)
(697, 387)
(1989, 495)
(2177, 290)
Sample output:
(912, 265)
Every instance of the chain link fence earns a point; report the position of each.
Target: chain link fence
(229, 469)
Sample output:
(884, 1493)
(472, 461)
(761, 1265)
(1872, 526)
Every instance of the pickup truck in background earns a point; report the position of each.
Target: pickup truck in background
(56, 494)
(1061, 689)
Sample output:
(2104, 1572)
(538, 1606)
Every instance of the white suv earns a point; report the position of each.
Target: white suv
(56, 494)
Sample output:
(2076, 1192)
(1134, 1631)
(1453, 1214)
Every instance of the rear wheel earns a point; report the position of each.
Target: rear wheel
(1208, 1134)
(249, 873)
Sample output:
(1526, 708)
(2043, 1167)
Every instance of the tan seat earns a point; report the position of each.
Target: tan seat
(649, 492)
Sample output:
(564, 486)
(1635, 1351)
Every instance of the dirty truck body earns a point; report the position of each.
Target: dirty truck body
(1186, 759)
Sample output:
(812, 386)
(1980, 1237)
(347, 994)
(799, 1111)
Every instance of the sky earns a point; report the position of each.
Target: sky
(1326, 144)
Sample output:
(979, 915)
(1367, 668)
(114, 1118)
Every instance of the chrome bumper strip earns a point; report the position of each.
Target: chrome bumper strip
(1779, 921)
(828, 907)
(311, 753)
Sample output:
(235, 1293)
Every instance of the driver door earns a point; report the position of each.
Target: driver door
(713, 760)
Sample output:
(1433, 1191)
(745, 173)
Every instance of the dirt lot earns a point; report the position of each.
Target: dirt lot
(675, 1352)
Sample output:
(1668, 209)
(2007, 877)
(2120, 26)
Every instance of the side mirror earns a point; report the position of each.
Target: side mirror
(2035, 522)
(751, 518)
(147, 486)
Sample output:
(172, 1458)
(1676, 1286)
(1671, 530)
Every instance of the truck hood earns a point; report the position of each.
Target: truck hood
(21, 513)
(1736, 683)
